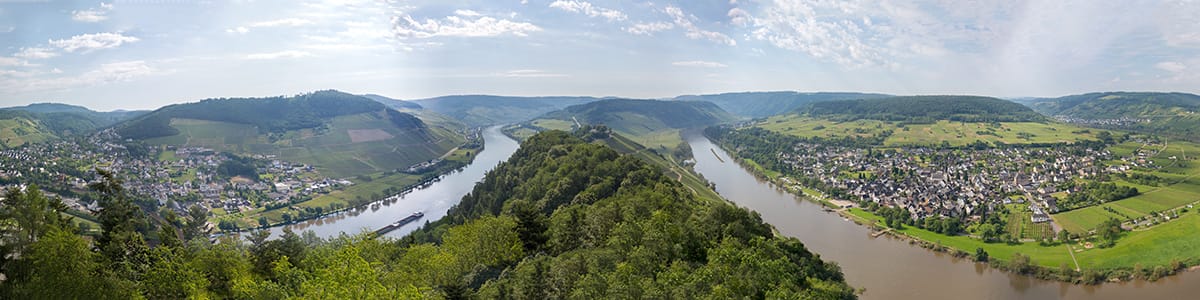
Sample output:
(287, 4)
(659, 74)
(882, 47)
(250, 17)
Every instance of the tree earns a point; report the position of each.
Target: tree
(120, 242)
(60, 265)
(31, 215)
(197, 217)
(1064, 236)
(981, 255)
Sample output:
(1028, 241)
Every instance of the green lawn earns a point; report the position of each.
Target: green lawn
(554, 124)
(1160, 245)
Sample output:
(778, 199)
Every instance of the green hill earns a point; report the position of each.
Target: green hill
(653, 123)
(1169, 114)
(564, 218)
(339, 133)
(46, 121)
(482, 110)
(924, 109)
(764, 104)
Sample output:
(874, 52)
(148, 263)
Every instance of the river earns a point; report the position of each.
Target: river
(433, 200)
(890, 268)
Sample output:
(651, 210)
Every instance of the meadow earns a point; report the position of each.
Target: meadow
(954, 133)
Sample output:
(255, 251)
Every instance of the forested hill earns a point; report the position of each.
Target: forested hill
(1168, 114)
(765, 104)
(393, 103)
(568, 218)
(44, 121)
(483, 110)
(644, 115)
(924, 109)
(1113, 105)
(269, 115)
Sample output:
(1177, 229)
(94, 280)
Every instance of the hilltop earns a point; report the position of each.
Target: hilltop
(764, 104)
(393, 103)
(925, 109)
(1170, 114)
(340, 133)
(484, 110)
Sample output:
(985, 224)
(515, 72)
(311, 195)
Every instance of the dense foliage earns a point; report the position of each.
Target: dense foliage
(275, 114)
(925, 109)
(562, 219)
(1095, 193)
(764, 104)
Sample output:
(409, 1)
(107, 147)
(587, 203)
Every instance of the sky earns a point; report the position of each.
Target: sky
(143, 54)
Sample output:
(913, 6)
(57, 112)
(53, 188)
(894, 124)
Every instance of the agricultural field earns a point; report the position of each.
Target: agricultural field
(554, 124)
(1174, 240)
(954, 133)
(1020, 224)
(349, 145)
(1182, 176)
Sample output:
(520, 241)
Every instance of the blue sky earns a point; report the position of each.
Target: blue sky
(139, 54)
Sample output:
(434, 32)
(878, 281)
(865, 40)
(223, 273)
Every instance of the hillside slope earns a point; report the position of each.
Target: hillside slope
(483, 110)
(924, 109)
(1170, 114)
(393, 103)
(341, 134)
(567, 218)
(764, 104)
(46, 121)
(653, 123)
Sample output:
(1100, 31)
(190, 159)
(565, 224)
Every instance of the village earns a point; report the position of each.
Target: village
(174, 178)
(960, 183)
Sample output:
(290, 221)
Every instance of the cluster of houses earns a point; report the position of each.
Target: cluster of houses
(951, 183)
(190, 178)
(1117, 122)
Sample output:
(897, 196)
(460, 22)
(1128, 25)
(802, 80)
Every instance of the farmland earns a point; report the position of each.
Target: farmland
(954, 133)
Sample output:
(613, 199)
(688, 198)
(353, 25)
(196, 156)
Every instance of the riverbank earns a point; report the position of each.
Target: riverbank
(454, 160)
(1149, 255)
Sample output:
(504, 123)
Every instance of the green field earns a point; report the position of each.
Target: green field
(332, 150)
(672, 168)
(1183, 176)
(1175, 240)
(955, 133)
(553, 124)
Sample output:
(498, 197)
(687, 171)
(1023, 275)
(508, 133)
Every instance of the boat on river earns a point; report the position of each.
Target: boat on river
(409, 219)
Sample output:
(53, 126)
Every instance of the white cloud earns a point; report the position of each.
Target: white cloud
(467, 13)
(588, 9)
(649, 28)
(531, 74)
(279, 55)
(286, 22)
(694, 32)
(103, 74)
(92, 15)
(698, 63)
(93, 41)
(1171, 66)
(405, 27)
(36, 53)
(12, 62)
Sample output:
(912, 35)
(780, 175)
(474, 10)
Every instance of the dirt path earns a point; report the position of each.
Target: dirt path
(1072, 252)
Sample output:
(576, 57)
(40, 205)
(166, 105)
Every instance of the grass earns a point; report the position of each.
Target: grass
(19, 131)
(955, 133)
(554, 124)
(1185, 189)
(1174, 240)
